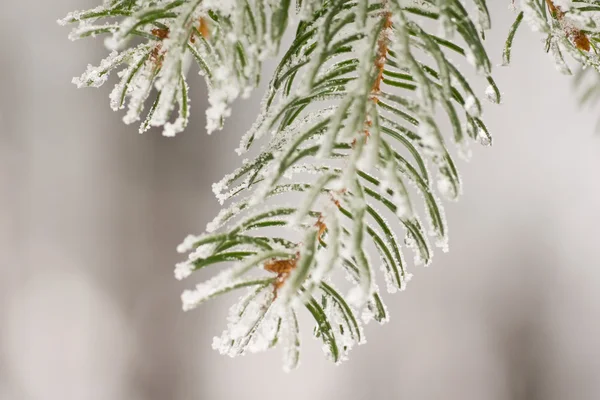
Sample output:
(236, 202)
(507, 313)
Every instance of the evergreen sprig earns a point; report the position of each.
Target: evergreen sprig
(352, 153)
(570, 27)
(226, 40)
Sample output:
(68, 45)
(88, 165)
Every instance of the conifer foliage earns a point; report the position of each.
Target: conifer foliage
(357, 126)
(570, 27)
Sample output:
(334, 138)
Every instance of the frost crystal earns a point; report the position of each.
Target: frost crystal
(183, 270)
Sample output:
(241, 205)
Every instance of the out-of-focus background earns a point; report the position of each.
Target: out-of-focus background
(91, 213)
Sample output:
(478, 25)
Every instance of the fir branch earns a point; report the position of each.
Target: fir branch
(347, 104)
(227, 39)
(349, 127)
(570, 27)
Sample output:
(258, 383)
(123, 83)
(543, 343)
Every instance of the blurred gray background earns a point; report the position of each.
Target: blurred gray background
(91, 213)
